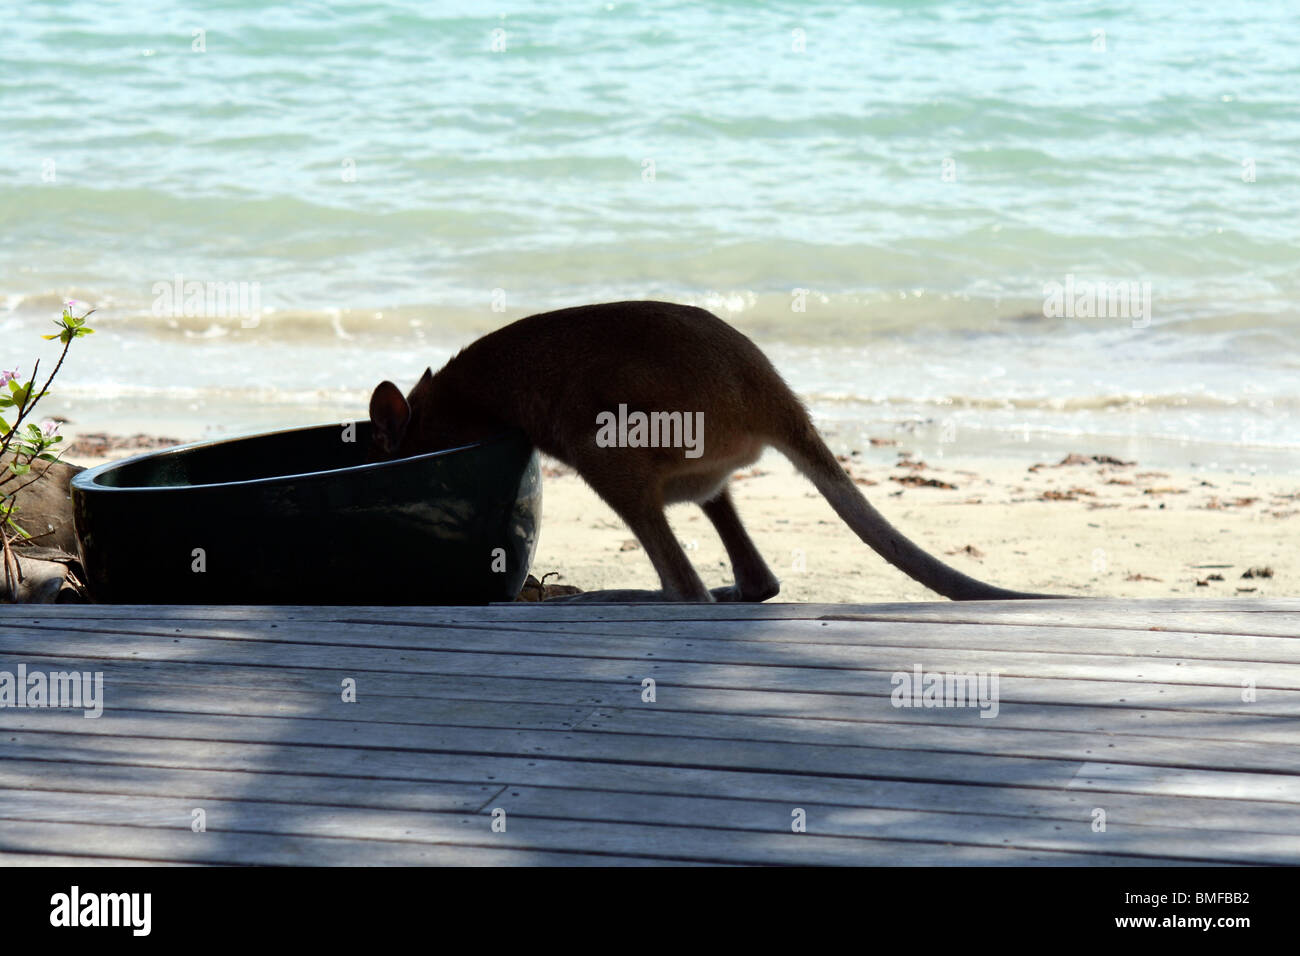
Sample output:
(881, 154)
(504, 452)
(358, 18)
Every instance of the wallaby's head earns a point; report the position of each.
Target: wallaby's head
(401, 426)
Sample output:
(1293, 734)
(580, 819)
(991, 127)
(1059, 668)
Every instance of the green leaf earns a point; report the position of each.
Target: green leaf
(18, 468)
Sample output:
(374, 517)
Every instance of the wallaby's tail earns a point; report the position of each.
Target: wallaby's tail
(811, 456)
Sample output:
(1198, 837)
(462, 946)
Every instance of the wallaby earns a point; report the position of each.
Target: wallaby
(562, 377)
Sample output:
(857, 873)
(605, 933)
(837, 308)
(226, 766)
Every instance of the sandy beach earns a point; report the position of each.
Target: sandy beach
(1080, 529)
(1080, 525)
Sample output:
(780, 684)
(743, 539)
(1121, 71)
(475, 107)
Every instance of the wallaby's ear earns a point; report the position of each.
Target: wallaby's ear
(423, 390)
(389, 416)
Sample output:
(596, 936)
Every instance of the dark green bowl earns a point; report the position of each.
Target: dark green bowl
(298, 517)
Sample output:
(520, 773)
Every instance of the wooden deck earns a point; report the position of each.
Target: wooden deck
(1134, 708)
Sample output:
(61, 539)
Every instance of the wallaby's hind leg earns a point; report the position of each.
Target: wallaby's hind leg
(754, 580)
(644, 514)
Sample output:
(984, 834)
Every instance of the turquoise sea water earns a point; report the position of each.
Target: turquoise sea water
(399, 177)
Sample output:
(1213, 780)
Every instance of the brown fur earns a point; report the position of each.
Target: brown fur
(552, 374)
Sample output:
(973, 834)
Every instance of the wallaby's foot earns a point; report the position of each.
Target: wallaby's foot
(614, 596)
(732, 593)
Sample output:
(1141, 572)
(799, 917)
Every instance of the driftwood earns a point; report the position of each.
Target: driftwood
(44, 569)
(535, 590)
(39, 582)
(44, 506)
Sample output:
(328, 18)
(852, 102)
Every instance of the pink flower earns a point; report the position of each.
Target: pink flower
(49, 428)
(7, 377)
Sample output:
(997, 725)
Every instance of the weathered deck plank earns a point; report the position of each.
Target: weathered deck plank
(1132, 707)
(758, 714)
(1068, 806)
(1098, 699)
(777, 744)
(680, 828)
(722, 636)
(816, 668)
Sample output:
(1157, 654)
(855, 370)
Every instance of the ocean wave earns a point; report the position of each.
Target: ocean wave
(1259, 325)
(1271, 403)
